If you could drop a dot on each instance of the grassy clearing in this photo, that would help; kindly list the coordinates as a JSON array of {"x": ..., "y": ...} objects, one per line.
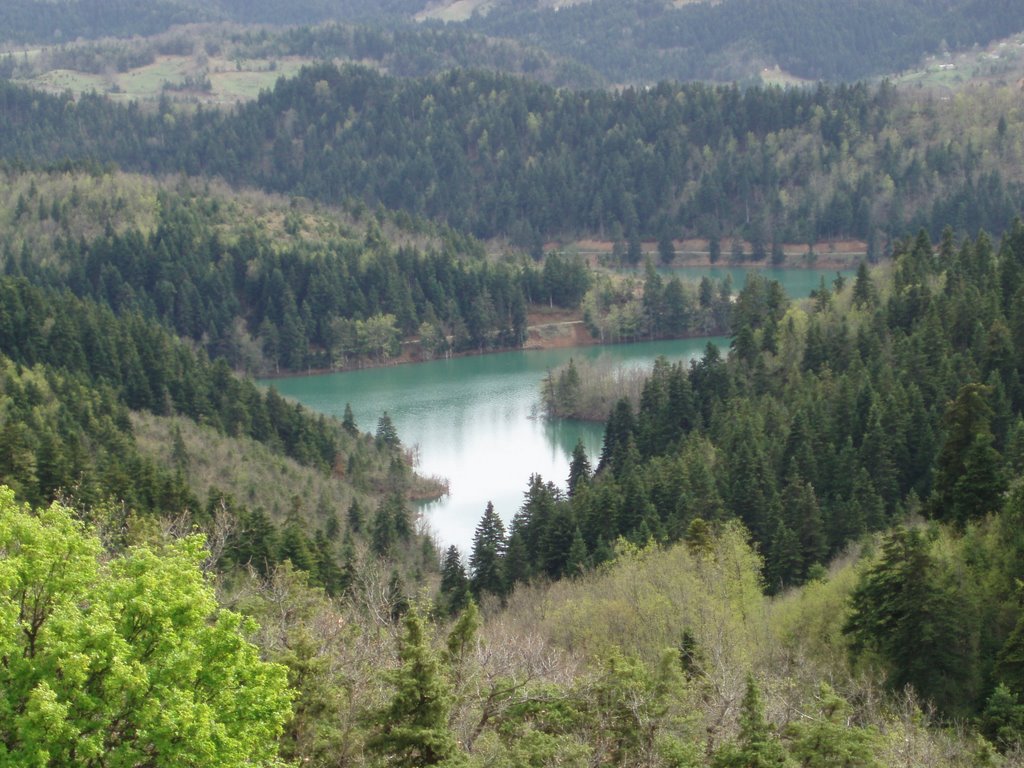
[
  {"x": 231, "y": 81},
  {"x": 458, "y": 10},
  {"x": 234, "y": 84},
  {"x": 1001, "y": 63},
  {"x": 61, "y": 80}
]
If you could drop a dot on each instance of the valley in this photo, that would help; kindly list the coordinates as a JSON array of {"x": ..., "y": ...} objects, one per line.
[{"x": 608, "y": 384}]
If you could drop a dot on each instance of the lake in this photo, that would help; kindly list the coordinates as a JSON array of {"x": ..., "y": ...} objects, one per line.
[
  {"x": 476, "y": 420},
  {"x": 798, "y": 282}
]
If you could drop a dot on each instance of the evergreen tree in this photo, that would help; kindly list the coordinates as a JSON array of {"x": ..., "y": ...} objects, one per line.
[
  {"x": 348, "y": 421},
  {"x": 757, "y": 745},
  {"x": 486, "y": 560},
  {"x": 968, "y": 477},
  {"x": 863, "y": 288},
  {"x": 666, "y": 248},
  {"x": 577, "y": 561},
  {"x": 1002, "y": 720},
  {"x": 827, "y": 739},
  {"x": 383, "y": 534},
  {"x": 462, "y": 636},
  {"x": 328, "y": 573},
  {"x": 903, "y": 612},
  {"x": 413, "y": 730},
  {"x": 354, "y": 517},
  {"x": 1010, "y": 659},
  {"x": 386, "y": 435},
  {"x": 579, "y": 468},
  {"x": 454, "y": 583}
]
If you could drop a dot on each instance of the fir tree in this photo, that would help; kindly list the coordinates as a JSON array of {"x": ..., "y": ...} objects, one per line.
[
  {"x": 579, "y": 468},
  {"x": 578, "y": 559},
  {"x": 757, "y": 745},
  {"x": 354, "y": 517},
  {"x": 386, "y": 435},
  {"x": 902, "y": 610},
  {"x": 348, "y": 421},
  {"x": 413, "y": 730},
  {"x": 485, "y": 561},
  {"x": 454, "y": 583}
]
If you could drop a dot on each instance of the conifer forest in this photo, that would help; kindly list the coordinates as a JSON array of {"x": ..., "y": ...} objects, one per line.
[{"x": 801, "y": 546}]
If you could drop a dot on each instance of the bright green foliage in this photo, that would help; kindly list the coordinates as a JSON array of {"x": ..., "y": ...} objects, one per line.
[
  {"x": 413, "y": 729},
  {"x": 828, "y": 740},
  {"x": 463, "y": 634},
  {"x": 546, "y": 727},
  {"x": 757, "y": 746},
  {"x": 638, "y": 716},
  {"x": 124, "y": 661}
]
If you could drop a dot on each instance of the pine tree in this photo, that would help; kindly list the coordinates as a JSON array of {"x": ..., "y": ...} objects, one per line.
[
  {"x": 1010, "y": 660},
  {"x": 617, "y": 433},
  {"x": 666, "y": 248},
  {"x": 578, "y": 559},
  {"x": 454, "y": 583},
  {"x": 386, "y": 435},
  {"x": 348, "y": 569},
  {"x": 968, "y": 475},
  {"x": 826, "y": 739},
  {"x": 348, "y": 421},
  {"x": 757, "y": 746},
  {"x": 863, "y": 288},
  {"x": 902, "y": 610},
  {"x": 354, "y": 517},
  {"x": 330, "y": 576},
  {"x": 485, "y": 561},
  {"x": 579, "y": 468},
  {"x": 413, "y": 730},
  {"x": 383, "y": 534},
  {"x": 462, "y": 636},
  {"x": 1002, "y": 721},
  {"x": 294, "y": 546}
]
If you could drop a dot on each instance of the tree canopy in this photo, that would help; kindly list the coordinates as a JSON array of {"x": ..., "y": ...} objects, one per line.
[{"x": 125, "y": 660}]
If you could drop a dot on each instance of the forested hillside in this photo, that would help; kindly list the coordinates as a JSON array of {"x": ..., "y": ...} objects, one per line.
[
  {"x": 877, "y": 398},
  {"x": 805, "y": 550},
  {"x": 889, "y": 398},
  {"x": 286, "y": 286},
  {"x": 648, "y": 40},
  {"x": 641, "y": 41},
  {"x": 420, "y": 50},
  {"x": 71, "y": 379},
  {"x": 767, "y": 165}
]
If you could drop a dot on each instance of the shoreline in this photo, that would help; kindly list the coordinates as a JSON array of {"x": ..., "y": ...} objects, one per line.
[
  {"x": 528, "y": 346},
  {"x": 567, "y": 329}
]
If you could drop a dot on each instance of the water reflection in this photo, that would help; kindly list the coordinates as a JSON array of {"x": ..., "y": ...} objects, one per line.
[{"x": 476, "y": 422}]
